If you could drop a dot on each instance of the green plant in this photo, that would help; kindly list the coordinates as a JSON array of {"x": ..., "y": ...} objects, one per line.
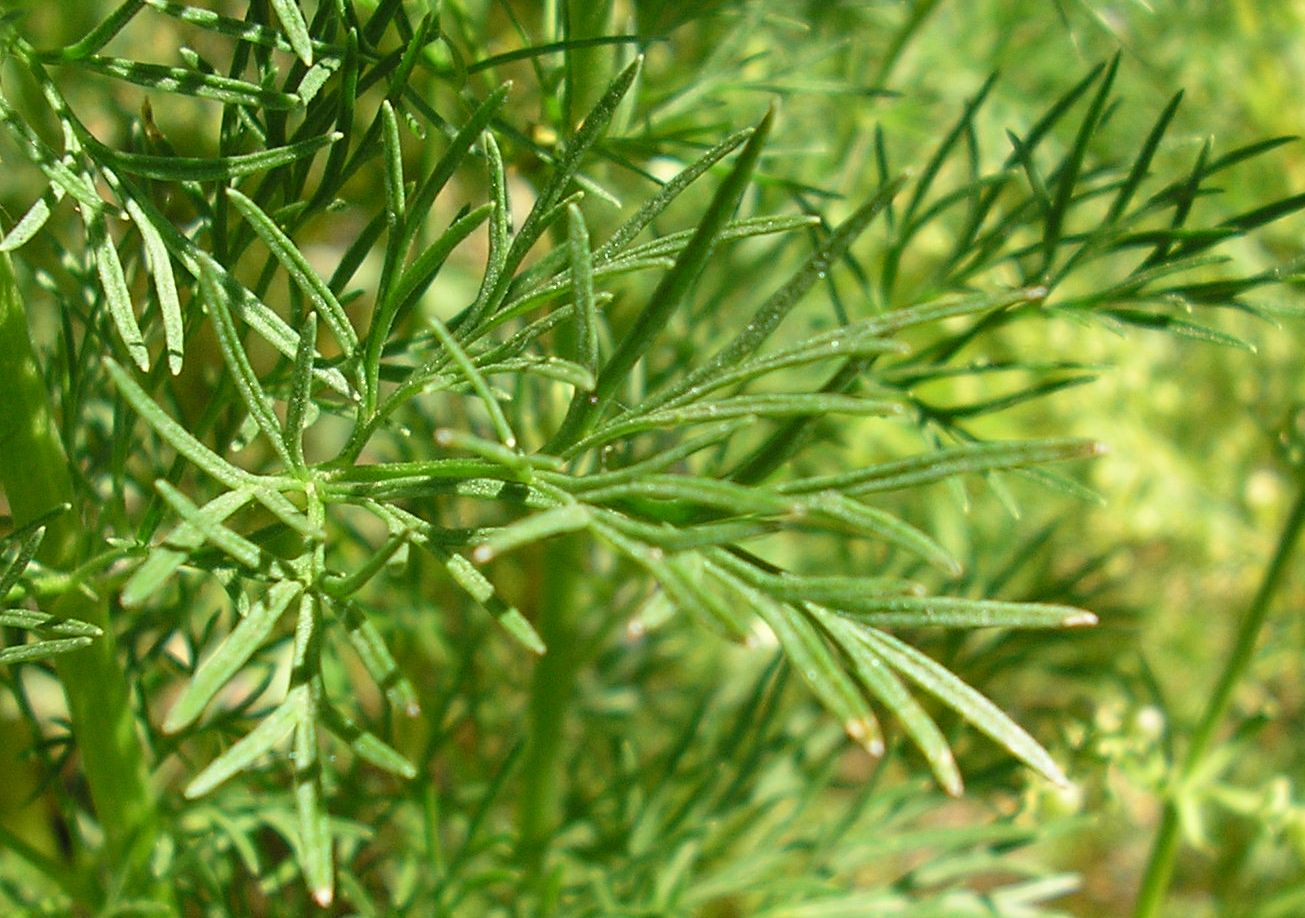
[{"x": 348, "y": 443}]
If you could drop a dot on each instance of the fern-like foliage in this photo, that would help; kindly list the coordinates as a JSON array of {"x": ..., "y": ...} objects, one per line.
[{"x": 587, "y": 389}]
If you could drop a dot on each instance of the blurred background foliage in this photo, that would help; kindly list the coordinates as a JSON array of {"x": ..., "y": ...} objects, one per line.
[{"x": 1193, "y": 491}]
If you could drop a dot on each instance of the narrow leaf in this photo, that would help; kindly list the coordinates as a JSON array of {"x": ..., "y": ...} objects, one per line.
[
  {"x": 41, "y": 650},
  {"x": 242, "y": 374},
  {"x": 395, "y": 203},
  {"x": 164, "y": 560},
  {"x": 810, "y": 656},
  {"x": 116, "y": 295},
  {"x": 30, "y": 222},
  {"x": 890, "y": 528},
  {"x": 654, "y": 206},
  {"x": 534, "y": 528},
  {"x": 292, "y": 20},
  {"x": 368, "y": 746},
  {"x": 288, "y": 254},
  {"x": 582, "y": 291},
  {"x": 218, "y": 668},
  {"x": 887, "y": 688},
  {"x": 238, "y": 547},
  {"x": 964, "y": 700},
  {"x": 165, "y": 285},
  {"x": 173, "y": 433},
  {"x": 944, "y": 463},
  {"x": 377, "y": 659},
  {"x": 477, "y": 381},
  {"x": 674, "y": 287},
  {"x": 270, "y": 731},
  {"x": 301, "y": 390},
  {"x": 47, "y": 624},
  {"x": 315, "y": 842},
  {"x": 192, "y": 83},
  {"x": 213, "y": 169},
  {"x": 957, "y": 612}
]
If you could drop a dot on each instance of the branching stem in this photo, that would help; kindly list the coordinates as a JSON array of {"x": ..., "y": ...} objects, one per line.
[{"x": 1160, "y": 867}]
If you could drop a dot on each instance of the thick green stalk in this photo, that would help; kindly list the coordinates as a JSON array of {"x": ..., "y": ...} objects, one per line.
[
  {"x": 551, "y": 692},
  {"x": 35, "y": 475},
  {"x": 1160, "y": 867}
]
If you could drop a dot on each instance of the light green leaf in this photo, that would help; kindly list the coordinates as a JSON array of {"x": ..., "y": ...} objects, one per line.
[
  {"x": 252, "y": 32},
  {"x": 164, "y": 560},
  {"x": 213, "y": 169},
  {"x": 315, "y": 842},
  {"x": 292, "y": 20},
  {"x": 377, "y": 659},
  {"x": 218, "y": 668},
  {"x": 810, "y": 656},
  {"x": 957, "y": 612},
  {"x": 116, "y": 295},
  {"x": 288, "y": 254},
  {"x": 368, "y": 746},
  {"x": 395, "y": 202},
  {"x": 802, "y": 404},
  {"x": 301, "y": 390},
  {"x": 477, "y": 381},
  {"x": 534, "y": 528},
  {"x": 238, "y": 547},
  {"x": 669, "y": 295},
  {"x": 880, "y": 681},
  {"x": 654, "y": 206},
  {"x": 41, "y": 650},
  {"x": 944, "y": 463},
  {"x": 582, "y": 291},
  {"x": 861, "y": 518},
  {"x": 964, "y": 700},
  {"x": 165, "y": 285},
  {"x": 475, "y": 584},
  {"x": 270, "y": 731},
  {"x": 43, "y": 622},
  {"x": 687, "y": 589},
  {"x": 173, "y": 433},
  {"x": 185, "y": 81},
  {"x": 672, "y": 244},
  {"x": 242, "y": 374},
  {"x": 31, "y": 221},
  {"x": 406, "y": 293}
]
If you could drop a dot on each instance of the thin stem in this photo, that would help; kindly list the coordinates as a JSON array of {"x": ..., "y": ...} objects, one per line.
[
  {"x": 552, "y": 688},
  {"x": 35, "y": 476},
  {"x": 1160, "y": 867}
]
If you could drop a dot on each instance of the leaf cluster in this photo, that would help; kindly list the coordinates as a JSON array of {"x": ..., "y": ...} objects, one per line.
[{"x": 473, "y": 378}]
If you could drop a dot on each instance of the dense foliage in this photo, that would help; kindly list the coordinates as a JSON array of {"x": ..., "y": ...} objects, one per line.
[{"x": 487, "y": 459}]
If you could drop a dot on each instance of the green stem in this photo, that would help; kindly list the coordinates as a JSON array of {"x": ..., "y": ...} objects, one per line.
[
  {"x": 552, "y": 689},
  {"x": 34, "y": 473},
  {"x": 1160, "y": 867}
]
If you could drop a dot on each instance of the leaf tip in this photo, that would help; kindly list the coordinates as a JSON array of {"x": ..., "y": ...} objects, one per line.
[
  {"x": 140, "y": 355},
  {"x": 324, "y": 896},
  {"x": 482, "y": 554},
  {"x": 1079, "y": 619},
  {"x": 865, "y": 733}
]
